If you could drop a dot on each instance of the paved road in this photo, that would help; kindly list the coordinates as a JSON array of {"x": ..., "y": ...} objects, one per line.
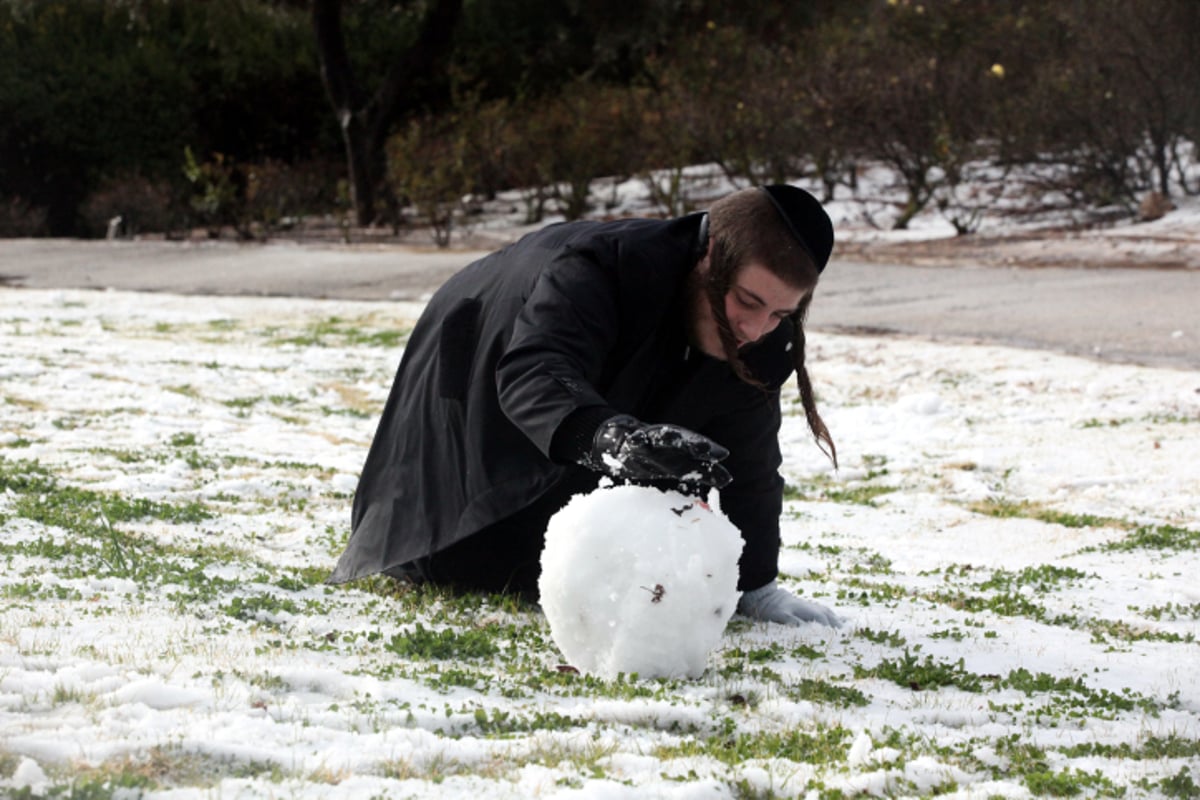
[{"x": 1139, "y": 316}]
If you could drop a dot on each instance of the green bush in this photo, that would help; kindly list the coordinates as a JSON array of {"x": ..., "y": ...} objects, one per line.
[{"x": 94, "y": 92}]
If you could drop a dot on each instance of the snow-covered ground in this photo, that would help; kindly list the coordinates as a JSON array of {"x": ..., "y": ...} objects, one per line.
[{"x": 1013, "y": 539}]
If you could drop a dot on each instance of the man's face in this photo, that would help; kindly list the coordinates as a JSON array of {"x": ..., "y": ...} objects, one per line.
[{"x": 757, "y": 301}]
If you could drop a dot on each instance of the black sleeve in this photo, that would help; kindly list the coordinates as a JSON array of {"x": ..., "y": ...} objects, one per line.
[
  {"x": 563, "y": 332},
  {"x": 754, "y": 501},
  {"x": 573, "y": 440}
]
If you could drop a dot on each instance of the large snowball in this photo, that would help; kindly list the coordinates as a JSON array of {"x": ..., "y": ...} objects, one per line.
[{"x": 635, "y": 579}]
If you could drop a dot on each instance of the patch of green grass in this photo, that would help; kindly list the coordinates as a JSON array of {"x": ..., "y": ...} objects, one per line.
[
  {"x": 1155, "y": 537},
  {"x": 1004, "y": 604},
  {"x": 1009, "y": 509},
  {"x": 1095, "y": 422},
  {"x": 354, "y": 413},
  {"x": 809, "y": 489},
  {"x": 195, "y": 587},
  {"x": 856, "y": 590},
  {"x": 22, "y": 402},
  {"x": 818, "y": 691},
  {"x": 875, "y": 462},
  {"x": 806, "y": 651},
  {"x": 1172, "y": 419},
  {"x": 565, "y": 681},
  {"x": 87, "y": 511},
  {"x": 334, "y": 330},
  {"x": 251, "y": 606},
  {"x": 822, "y": 746},
  {"x": 797, "y": 493},
  {"x": 447, "y": 643},
  {"x": 115, "y": 780},
  {"x": 1170, "y": 611},
  {"x": 873, "y": 564},
  {"x": 284, "y": 400},
  {"x": 1043, "y": 578},
  {"x": 242, "y": 405},
  {"x": 387, "y": 339},
  {"x": 24, "y": 477},
  {"x": 47, "y": 548},
  {"x": 858, "y": 495},
  {"x": 889, "y": 638},
  {"x": 1150, "y": 748},
  {"x": 1075, "y": 698},
  {"x": 501, "y": 722},
  {"x": 1152, "y": 419},
  {"x": 757, "y": 655},
  {"x": 953, "y": 634},
  {"x": 1011, "y": 602},
  {"x": 819, "y": 548},
  {"x": 302, "y": 578},
  {"x": 1181, "y": 785},
  {"x": 1070, "y": 783},
  {"x": 124, "y": 456},
  {"x": 93, "y": 544},
  {"x": 923, "y": 675},
  {"x": 35, "y": 590},
  {"x": 1105, "y": 630}
]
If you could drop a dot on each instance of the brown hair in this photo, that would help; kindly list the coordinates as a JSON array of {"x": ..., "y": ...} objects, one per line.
[{"x": 744, "y": 227}]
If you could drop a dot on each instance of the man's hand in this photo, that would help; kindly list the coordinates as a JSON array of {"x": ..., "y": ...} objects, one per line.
[
  {"x": 772, "y": 604},
  {"x": 626, "y": 448}
]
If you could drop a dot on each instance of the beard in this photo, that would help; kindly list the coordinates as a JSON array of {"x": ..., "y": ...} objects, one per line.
[
  {"x": 708, "y": 326},
  {"x": 717, "y": 283}
]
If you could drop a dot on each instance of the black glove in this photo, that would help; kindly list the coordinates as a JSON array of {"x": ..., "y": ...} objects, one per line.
[{"x": 626, "y": 448}]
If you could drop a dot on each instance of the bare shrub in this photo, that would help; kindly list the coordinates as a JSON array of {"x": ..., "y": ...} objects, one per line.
[
  {"x": 741, "y": 111},
  {"x": 560, "y": 144},
  {"x": 19, "y": 218},
  {"x": 132, "y": 204},
  {"x": 279, "y": 196},
  {"x": 1113, "y": 100},
  {"x": 426, "y": 165},
  {"x": 920, "y": 79},
  {"x": 1155, "y": 205},
  {"x": 669, "y": 120}
]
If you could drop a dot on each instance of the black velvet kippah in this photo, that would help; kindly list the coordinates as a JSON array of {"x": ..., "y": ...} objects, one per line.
[{"x": 805, "y": 218}]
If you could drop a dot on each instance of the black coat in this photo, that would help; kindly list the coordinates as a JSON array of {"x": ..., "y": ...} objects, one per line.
[{"x": 577, "y": 315}]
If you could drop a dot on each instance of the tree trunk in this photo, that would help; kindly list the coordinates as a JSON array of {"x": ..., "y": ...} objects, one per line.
[
  {"x": 360, "y": 160},
  {"x": 365, "y": 124}
]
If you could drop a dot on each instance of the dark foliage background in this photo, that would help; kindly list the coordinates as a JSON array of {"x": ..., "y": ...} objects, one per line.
[{"x": 176, "y": 115}]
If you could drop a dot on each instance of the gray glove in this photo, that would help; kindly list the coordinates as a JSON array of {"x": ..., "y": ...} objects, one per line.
[
  {"x": 627, "y": 448},
  {"x": 772, "y": 604}
]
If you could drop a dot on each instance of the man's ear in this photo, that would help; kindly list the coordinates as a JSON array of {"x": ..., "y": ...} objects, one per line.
[{"x": 703, "y": 241}]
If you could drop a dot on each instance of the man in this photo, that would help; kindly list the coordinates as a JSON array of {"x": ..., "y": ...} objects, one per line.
[{"x": 644, "y": 350}]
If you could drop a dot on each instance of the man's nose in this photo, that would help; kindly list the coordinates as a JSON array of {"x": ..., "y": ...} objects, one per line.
[{"x": 756, "y": 326}]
